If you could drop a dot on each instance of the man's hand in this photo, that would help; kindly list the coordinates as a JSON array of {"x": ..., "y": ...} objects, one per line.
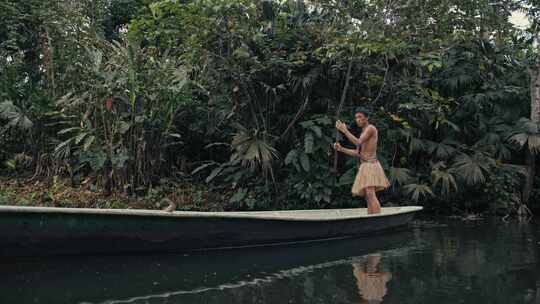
[
  {"x": 349, "y": 152},
  {"x": 341, "y": 126}
]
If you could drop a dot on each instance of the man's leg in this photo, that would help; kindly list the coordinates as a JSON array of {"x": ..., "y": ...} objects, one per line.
[{"x": 373, "y": 204}]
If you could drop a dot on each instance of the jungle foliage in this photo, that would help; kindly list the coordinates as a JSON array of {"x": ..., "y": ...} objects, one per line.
[{"x": 234, "y": 101}]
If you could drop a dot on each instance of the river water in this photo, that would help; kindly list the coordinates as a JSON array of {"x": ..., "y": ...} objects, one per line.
[{"x": 430, "y": 261}]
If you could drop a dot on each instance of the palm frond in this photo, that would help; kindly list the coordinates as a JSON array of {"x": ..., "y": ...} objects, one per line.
[
  {"x": 441, "y": 150},
  {"x": 526, "y": 134},
  {"x": 494, "y": 144},
  {"x": 416, "y": 145},
  {"x": 472, "y": 169},
  {"x": 304, "y": 83},
  {"x": 443, "y": 177},
  {"x": 399, "y": 176},
  {"x": 418, "y": 191},
  {"x": 253, "y": 150},
  {"x": 517, "y": 169},
  {"x": 14, "y": 116}
]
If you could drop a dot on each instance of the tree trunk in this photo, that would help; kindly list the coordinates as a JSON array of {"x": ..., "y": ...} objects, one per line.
[
  {"x": 529, "y": 179},
  {"x": 107, "y": 179},
  {"x": 535, "y": 118},
  {"x": 340, "y": 107},
  {"x": 48, "y": 62}
]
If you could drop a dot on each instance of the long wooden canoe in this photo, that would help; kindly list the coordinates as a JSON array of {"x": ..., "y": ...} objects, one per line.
[{"x": 39, "y": 231}]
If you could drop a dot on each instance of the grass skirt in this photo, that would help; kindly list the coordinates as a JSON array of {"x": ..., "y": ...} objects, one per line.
[{"x": 370, "y": 174}]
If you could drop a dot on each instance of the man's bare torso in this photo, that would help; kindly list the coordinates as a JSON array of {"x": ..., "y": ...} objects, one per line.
[{"x": 368, "y": 150}]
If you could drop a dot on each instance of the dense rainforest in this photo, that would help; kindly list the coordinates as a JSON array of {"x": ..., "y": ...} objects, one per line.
[{"x": 231, "y": 104}]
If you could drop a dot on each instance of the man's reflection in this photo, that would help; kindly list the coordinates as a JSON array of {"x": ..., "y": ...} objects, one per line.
[{"x": 370, "y": 280}]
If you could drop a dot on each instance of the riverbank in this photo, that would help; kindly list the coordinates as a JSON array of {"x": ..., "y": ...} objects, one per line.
[{"x": 57, "y": 192}]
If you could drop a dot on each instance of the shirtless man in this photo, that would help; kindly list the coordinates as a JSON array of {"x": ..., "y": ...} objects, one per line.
[{"x": 370, "y": 177}]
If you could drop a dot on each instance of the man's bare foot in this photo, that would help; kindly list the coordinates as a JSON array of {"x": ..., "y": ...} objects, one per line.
[{"x": 374, "y": 211}]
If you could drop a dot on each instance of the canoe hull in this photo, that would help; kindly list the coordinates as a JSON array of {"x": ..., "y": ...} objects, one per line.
[{"x": 45, "y": 234}]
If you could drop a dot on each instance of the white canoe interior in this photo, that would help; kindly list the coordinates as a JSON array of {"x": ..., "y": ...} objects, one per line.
[{"x": 291, "y": 215}]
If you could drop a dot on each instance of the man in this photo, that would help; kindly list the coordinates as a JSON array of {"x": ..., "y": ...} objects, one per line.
[{"x": 370, "y": 177}]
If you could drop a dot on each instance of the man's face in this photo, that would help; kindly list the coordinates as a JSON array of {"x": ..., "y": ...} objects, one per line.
[{"x": 361, "y": 119}]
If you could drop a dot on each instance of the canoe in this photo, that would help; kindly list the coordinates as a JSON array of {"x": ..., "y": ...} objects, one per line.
[{"x": 46, "y": 231}]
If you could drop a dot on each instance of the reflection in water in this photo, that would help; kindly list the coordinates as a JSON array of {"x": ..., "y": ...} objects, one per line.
[
  {"x": 439, "y": 262},
  {"x": 371, "y": 281}
]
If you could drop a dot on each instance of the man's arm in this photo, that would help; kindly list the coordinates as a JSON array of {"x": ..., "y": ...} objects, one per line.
[
  {"x": 353, "y": 139},
  {"x": 365, "y": 135},
  {"x": 342, "y": 127},
  {"x": 350, "y": 152}
]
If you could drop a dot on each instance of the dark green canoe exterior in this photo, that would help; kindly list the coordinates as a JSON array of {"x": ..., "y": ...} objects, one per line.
[{"x": 27, "y": 231}]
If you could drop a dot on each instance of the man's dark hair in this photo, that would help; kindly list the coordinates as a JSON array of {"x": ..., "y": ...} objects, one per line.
[{"x": 363, "y": 110}]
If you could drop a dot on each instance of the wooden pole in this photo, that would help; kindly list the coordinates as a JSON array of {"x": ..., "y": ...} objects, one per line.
[{"x": 340, "y": 107}]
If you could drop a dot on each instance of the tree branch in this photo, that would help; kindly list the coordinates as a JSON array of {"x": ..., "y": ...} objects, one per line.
[{"x": 296, "y": 117}]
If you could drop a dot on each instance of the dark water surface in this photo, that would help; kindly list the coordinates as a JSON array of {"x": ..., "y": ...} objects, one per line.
[{"x": 436, "y": 261}]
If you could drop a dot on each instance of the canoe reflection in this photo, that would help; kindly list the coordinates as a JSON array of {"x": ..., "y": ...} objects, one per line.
[
  {"x": 253, "y": 275},
  {"x": 370, "y": 280}
]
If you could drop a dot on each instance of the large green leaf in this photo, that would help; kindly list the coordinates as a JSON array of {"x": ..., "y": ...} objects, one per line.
[
  {"x": 95, "y": 159},
  {"x": 213, "y": 174},
  {"x": 88, "y": 142},
  {"x": 291, "y": 157},
  {"x": 348, "y": 177},
  {"x": 202, "y": 167},
  {"x": 69, "y": 130},
  {"x": 63, "y": 149},
  {"x": 304, "y": 161},
  {"x": 80, "y": 137},
  {"x": 317, "y": 130},
  {"x": 308, "y": 143}
]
